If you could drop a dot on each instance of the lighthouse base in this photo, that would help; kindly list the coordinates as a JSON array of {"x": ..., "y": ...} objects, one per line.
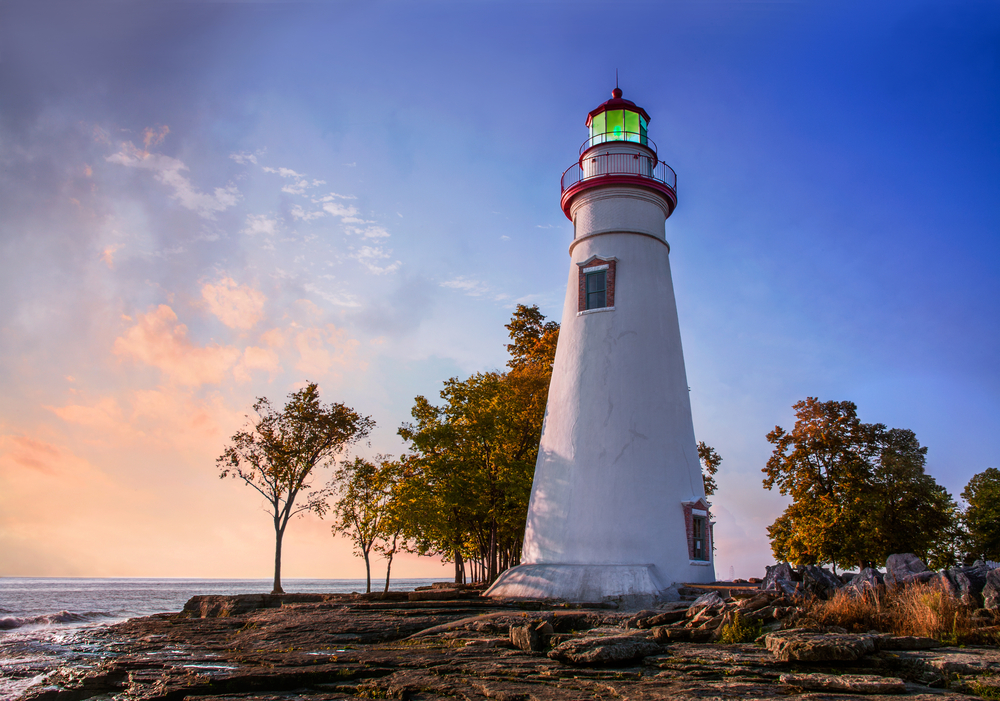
[{"x": 630, "y": 586}]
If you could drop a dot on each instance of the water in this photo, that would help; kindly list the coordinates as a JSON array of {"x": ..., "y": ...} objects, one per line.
[{"x": 44, "y": 621}]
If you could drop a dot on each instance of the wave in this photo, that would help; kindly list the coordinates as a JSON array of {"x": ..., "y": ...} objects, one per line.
[{"x": 12, "y": 622}]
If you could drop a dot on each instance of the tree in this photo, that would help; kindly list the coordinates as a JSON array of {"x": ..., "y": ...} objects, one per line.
[
  {"x": 396, "y": 522},
  {"x": 473, "y": 459},
  {"x": 533, "y": 340},
  {"x": 859, "y": 491},
  {"x": 277, "y": 453},
  {"x": 982, "y": 517},
  {"x": 365, "y": 490},
  {"x": 710, "y": 462}
]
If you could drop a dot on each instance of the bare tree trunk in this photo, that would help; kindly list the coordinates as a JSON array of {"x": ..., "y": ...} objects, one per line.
[
  {"x": 278, "y": 534},
  {"x": 388, "y": 562},
  {"x": 459, "y": 567},
  {"x": 492, "y": 554},
  {"x": 388, "y": 567},
  {"x": 368, "y": 573}
]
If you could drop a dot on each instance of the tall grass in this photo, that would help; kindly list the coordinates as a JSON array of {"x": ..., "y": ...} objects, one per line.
[{"x": 924, "y": 610}]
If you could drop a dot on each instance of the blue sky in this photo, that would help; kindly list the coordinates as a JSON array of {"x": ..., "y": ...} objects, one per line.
[{"x": 203, "y": 202}]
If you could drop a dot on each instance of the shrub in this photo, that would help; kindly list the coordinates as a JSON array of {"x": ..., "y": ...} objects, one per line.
[
  {"x": 924, "y": 610},
  {"x": 739, "y": 630}
]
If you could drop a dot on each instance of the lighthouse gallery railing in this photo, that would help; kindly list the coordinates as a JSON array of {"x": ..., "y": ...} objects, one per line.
[{"x": 606, "y": 164}]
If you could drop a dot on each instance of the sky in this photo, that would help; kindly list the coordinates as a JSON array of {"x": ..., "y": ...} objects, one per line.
[{"x": 206, "y": 202}]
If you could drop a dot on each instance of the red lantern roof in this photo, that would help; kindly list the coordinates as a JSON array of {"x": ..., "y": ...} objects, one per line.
[{"x": 617, "y": 102}]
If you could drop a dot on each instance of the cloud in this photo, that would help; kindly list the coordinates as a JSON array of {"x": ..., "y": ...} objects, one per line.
[
  {"x": 243, "y": 157},
  {"x": 236, "y": 306},
  {"x": 260, "y": 224},
  {"x": 369, "y": 256},
  {"x": 334, "y": 196},
  {"x": 257, "y": 358},
  {"x": 31, "y": 453},
  {"x": 108, "y": 255},
  {"x": 302, "y": 214},
  {"x": 341, "y": 299},
  {"x": 320, "y": 349},
  {"x": 103, "y": 417},
  {"x": 297, "y": 188},
  {"x": 283, "y": 172},
  {"x": 154, "y": 136},
  {"x": 157, "y": 340},
  {"x": 339, "y": 210},
  {"x": 370, "y": 232},
  {"x": 473, "y": 288},
  {"x": 169, "y": 171}
]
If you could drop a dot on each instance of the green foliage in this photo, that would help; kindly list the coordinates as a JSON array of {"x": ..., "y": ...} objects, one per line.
[
  {"x": 982, "y": 517},
  {"x": 468, "y": 479},
  {"x": 710, "y": 462},
  {"x": 739, "y": 630},
  {"x": 278, "y": 452},
  {"x": 859, "y": 491},
  {"x": 364, "y": 511}
]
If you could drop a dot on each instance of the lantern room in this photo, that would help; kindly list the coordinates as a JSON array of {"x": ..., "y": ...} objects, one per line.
[{"x": 617, "y": 119}]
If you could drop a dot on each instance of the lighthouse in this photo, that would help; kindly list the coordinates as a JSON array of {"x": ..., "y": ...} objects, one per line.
[{"x": 618, "y": 508}]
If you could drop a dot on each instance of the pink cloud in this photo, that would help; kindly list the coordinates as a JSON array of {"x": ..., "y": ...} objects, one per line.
[
  {"x": 236, "y": 306},
  {"x": 159, "y": 341},
  {"x": 321, "y": 349},
  {"x": 256, "y": 358},
  {"x": 31, "y": 453}
]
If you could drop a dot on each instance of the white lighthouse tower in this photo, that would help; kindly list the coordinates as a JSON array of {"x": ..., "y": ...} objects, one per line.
[{"x": 618, "y": 505}]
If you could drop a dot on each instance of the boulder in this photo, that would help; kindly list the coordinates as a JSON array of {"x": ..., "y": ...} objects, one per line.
[
  {"x": 846, "y": 683},
  {"x": 991, "y": 590},
  {"x": 604, "y": 651},
  {"x": 531, "y": 637},
  {"x": 806, "y": 646},
  {"x": 793, "y": 590},
  {"x": 774, "y": 573},
  {"x": 969, "y": 583},
  {"x": 868, "y": 580},
  {"x": 704, "y": 602},
  {"x": 819, "y": 582},
  {"x": 665, "y": 618},
  {"x": 900, "y": 567}
]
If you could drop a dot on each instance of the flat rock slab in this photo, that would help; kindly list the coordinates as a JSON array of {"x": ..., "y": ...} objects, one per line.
[
  {"x": 906, "y": 642},
  {"x": 849, "y": 683},
  {"x": 604, "y": 651},
  {"x": 799, "y": 646}
]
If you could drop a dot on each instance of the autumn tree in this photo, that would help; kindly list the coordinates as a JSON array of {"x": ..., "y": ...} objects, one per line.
[
  {"x": 474, "y": 456},
  {"x": 278, "y": 453},
  {"x": 363, "y": 509},
  {"x": 859, "y": 491},
  {"x": 397, "y": 520},
  {"x": 982, "y": 516},
  {"x": 710, "y": 462}
]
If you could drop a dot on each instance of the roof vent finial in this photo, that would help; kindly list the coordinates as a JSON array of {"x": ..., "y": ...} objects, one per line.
[{"x": 617, "y": 92}]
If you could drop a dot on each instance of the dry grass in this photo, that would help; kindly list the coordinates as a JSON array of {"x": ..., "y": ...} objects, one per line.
[{"x": 923, "y": 610}]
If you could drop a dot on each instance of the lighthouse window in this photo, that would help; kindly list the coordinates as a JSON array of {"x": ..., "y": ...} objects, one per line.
[
  {"x": 597, "y": 285},
  {"x": 597, "y": 290},
  {"x": 699, "y": 551},
  {"x": 597, "y": 129},
  {"x": 631, "y": 126},
  {"x": 616, "y": 125}
]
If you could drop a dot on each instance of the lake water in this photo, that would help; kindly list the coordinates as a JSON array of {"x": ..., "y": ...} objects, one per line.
[{"x": 43, "y": 621}]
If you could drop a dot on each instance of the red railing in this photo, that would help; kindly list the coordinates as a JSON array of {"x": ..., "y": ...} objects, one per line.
[{"x": 608, "y": 164}]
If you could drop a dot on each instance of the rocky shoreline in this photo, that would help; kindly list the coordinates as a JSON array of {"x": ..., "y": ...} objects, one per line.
[{"x": 447, "y": 643}]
